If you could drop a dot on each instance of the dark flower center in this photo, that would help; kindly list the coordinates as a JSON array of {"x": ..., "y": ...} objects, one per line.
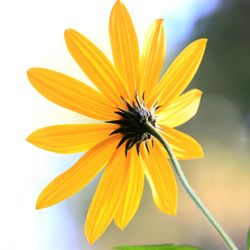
[{"x": 132, "y": 124}]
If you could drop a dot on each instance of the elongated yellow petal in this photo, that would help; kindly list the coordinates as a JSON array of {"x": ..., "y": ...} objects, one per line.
[
  {"x": 95, "y": 65},
  {"x": 153, "y": 54},
  {"x": 181, "y": 110},
  {"x": 180, "y": 73},
  {"x": 72, "y": 138},
  {"x": 70, "y": 93},
  {"x": 184, "y": 146},
  {"x": 124, "y": 45},
  {"x": 108, "y": 196},
  {"x": 132, "y": 190},
  {"x": 74, "y": 179},
  {"x": 161, "y": 178}
]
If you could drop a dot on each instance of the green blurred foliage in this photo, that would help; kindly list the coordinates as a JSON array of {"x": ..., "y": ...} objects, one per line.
[
  {"x": 248, "y": 239},
  {"x": 157, "y": 247},
  {"x": 225, "y": 69}
]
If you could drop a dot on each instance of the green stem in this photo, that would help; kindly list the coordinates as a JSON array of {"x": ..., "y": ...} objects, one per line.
[{"x": 152, "y": 130}]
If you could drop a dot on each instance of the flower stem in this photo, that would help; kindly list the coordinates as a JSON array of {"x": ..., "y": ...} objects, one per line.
[{"x": 152, "y": 130}]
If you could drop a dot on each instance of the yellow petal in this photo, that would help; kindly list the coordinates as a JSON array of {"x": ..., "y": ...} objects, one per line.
[
  {"x": 79, "y": 175},
  {"x": 95, "y": 65},
  {"x": 153, "y": 55},
  {"x": 72, "y": 138},
  {"x": 132, "y": 190},
  {"x": 180, "y": 73},
  {"x": 182, "y": 109},
  {"x": 161, "y": 178},
  {"x": 184, "y": 146},
  {"x": 70, "y": 93},
  {"x": 107, "y": 197},
  {"x": 124, "y": 45}
]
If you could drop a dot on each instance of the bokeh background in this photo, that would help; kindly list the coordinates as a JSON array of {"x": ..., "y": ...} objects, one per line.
[{"x": 32, "y": 35}]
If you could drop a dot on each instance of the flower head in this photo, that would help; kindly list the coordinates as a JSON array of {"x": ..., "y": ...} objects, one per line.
[{"x": 129, "y": 93}]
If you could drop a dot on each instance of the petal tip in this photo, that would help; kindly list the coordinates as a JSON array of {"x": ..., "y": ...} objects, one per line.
[
  {"x": 39, "y": 204},
  {"x": 90, "y": 241},
  {"x": 169, "y": 210},
  {"x": 67, "y": 33},
  {"x": 30, "y": 72},
  {"x": 199, "y": 44},
  {"x": 88, "y": 234},
  {"x": 42, "y": 201},
  {"x": 29, "y": 139},
  {"x": 68, "y": 30},
  {"x": 197, "y": 92},
  {"x": 173, "y": 209},
  {"x": 203, "y": 41},
  {"x": 160, "y": 21},
  {"x": 118, "y": 3},
  {"x": 33, "y": 72},
  {"x": 120, "y": 225},
  {"x": 198, "y": 153},
  {"x": 173, "y": 212},
  {"x": 201, "y": 153}
]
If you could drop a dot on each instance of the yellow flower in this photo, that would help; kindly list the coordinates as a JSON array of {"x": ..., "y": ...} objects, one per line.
[{"x": 128, "y": 93}]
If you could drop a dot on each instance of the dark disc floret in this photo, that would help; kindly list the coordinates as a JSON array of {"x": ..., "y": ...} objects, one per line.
[{"x": 132, "y": 124}]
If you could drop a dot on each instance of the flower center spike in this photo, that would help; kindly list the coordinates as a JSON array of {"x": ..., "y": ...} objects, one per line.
[{"x": 132, "y": 124}]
